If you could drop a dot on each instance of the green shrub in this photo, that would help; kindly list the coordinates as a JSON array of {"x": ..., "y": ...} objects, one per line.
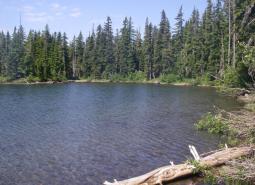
[
  {"x": 213, "y": 124},
  {"x": 61, "y": 78},
  {"x": 136, "y": 76},
  {"x": 232, "y": 78},
  {"x": 169, "y": 78},
  {"x": 249, "y": 59},
  {"x": 32, "y": 79},
  {"x": 191, "y": 81},
  {"x": 204, "y": 171},
  {"x": 204, "y": 80},
  {"x": 3, "y": 79},
  {"x": 116, "y": 78}
]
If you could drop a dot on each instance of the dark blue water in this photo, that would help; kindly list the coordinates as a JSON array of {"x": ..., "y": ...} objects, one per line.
[{"x": 84, "y": 134}]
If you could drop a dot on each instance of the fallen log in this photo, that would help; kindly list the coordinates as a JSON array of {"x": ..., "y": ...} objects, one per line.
[{"x": 173, "y": 172}]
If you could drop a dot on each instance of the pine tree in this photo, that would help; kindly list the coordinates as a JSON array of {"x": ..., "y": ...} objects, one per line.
[
  {"x": 139, "y": 60},
  {"x": 79, "y": 46},
  {"x": 178, "y": 34},
  {"x": 204, "y": 46},
  {"x": 46, "y": 53},
  {"x": 16, "y": 53},
  {"x": 148, "y": 50},
  {"x": 100, "y": 55},
  {"x": 29, "y": 55},
  {"x": 162, "y": 56},
  {"x": 5, "y": 45},
  {"x": 73, "y": 58},
  {"x": 126, "y": 47},
  {"x": 117, "y": 51},
  {"x": 65, "y": 57},
  {"x": 89, "y": 64},
  {"x": 39, "y": 55},
  {"x": 208, "y": 42},
  {"x": 109, "y": 48},
  {"x": 2, "y": 52}
]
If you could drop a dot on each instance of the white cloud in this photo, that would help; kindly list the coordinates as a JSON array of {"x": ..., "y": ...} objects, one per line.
[
  {"x": 31, "y": 14},
  {"x": 47, "y": 13},
  {"x": 75, "y": 12},
  {"x": 55, "y": 5},
  {"x": 57, "y": 9}
]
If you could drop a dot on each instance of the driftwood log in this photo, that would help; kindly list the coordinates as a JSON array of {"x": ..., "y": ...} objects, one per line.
[{"x": 173, "y": 172}]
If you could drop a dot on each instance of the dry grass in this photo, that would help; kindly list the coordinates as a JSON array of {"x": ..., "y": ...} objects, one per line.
[
  {"x": 242, "y": 122},
  {"x": 242, "y": 170}
]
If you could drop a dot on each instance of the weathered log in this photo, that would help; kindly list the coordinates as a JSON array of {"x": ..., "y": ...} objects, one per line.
[{"x": 173, "y": 172}]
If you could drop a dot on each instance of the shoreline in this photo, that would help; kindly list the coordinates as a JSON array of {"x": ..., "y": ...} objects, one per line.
[
  {"x": 156, "y": 82},
  {"x": 238, "y": 129}
]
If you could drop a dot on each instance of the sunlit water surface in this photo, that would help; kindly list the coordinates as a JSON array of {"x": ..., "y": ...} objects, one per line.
[{"x": 84, "y": 134}]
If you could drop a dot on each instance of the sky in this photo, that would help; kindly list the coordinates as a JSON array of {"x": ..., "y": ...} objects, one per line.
[{"x": 73, "y": 16}]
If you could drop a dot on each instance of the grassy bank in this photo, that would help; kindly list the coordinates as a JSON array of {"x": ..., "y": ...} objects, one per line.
[
  {"x": 138, "y": 77},
  {"x": 236, "y": 129}
]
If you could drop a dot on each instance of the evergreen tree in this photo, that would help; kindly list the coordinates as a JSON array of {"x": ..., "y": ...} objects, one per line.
[
  {"x": 12, "y": 62},
  {"x": 109, "y": 48},
  {"x": 79, "y": 49},
  {"x": 29, "y": 55},
  {"x": 211, "y": 46},
  {"x": 139, "y": 60},
  {"x": 89, "y": 64},
  {"x": 178, "y": 33},
  {"x": 148, "y": 50},
  {"x": 162, "y": 55},
  {"x": 73, "y": 58},
  {"x": 126, "y": 47},
  {"x": 117, "y": 51},
  {"x": 100, "y": 55},
  {"x": 5, "y": 46}
]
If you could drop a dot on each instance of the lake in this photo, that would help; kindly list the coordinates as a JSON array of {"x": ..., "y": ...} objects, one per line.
[{"x": 84, "y": 134}]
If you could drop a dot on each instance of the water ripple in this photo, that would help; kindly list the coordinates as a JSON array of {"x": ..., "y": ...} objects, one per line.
[{"x": 83, "y": 134}]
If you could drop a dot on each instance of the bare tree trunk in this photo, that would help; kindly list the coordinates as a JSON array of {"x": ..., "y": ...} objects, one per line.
[
  {"x": 229, "y": 31},
  {"x": 234, "y": 35},
  {"x": 64, "y": 62},
  {"x": 74, "y": 62},
  {"x": 174, "y": 172},
  {"x": 150, "y": 70},
  {"x": 222, "y": 60}
]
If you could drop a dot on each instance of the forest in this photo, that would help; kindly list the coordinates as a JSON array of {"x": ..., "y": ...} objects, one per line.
[{"x": 215, "y": 47}]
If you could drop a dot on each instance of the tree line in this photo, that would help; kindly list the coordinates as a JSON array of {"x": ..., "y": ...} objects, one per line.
[{"x": 217, "y": 45}]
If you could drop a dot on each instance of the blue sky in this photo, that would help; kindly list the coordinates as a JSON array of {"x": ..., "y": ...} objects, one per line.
[{"x": 73, "y": 16}]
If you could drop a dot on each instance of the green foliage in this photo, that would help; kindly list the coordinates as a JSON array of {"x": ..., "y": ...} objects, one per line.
[
  {"x": 136, "y": 76},
  {"x": 198, "y": 168},
  {"x": 32, "y": 79},
  {"x": 249, "y": 59},
  {"x": 204, "y": 80},
  {"x": 130, "y": 77},
  {"x": 204, "y": 171},
  {"x": 3, "y": 79},
  {"x": 214, "y": 124},
  {"x": 116, "y": 78},
  {"x": 169, "y": 78},
  {"x": 196, "y": 50},
  {"x": 232, "y": 78}
]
